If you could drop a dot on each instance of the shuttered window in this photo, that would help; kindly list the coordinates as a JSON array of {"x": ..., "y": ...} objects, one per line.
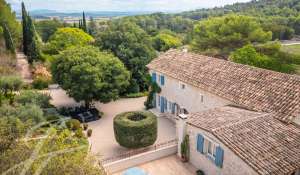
[
  {"x": 210, "y": 150},
  {"x": 162, "y": 80},
  {"x": 153, "y": 77},
  {"x": 219, "y": 157},
  {"x": 200, "y": 143}
]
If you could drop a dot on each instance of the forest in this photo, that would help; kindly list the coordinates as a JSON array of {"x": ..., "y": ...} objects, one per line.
[{"x": 106, "y": 60}]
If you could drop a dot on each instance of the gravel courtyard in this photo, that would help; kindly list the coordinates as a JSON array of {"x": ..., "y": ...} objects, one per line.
[{"x": 103, "y": 140}]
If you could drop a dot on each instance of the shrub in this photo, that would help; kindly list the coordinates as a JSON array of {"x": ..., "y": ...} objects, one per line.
[
  {"x": 33, "y": 97},
  {"x": 135, "y": 129},
  {"x": 73, "y": 124},
  {"x": 40, "y": 83},
  {"x": 89, "y": 132},
  {"x": 185, "y": 149},
  {"x": 85, "y": 126},
  {"x": 79, "y": 133},
  {"x": 200, "y": 172}
]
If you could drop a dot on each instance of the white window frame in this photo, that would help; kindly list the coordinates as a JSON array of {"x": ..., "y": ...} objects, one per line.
[{"x": 214, "y": 145}]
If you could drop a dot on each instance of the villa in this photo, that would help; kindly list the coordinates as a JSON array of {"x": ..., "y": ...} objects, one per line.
[{"x": 240, "y": 119}]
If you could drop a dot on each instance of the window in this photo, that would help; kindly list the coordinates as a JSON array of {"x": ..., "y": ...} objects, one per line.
[
  {"x": 162, "y": 80},
  {"x": 170, "y": 106},
  {"x": 202, "y": 98},
  {"x": 153, "y": 77},
  {"x": 158, "y": 100},
  {"x": 182, "y": 85},
  {"x": 209, "y": 148}
]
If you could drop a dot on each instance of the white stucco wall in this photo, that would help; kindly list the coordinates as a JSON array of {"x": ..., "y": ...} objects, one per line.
[
  {"x": 232, "y": 164},
  {"x": 190, "y": 97}
]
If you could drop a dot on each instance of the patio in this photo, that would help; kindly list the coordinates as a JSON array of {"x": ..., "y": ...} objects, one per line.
[
  {"x": 166, "y": 166},
  {"x": 103, "y": 140}
]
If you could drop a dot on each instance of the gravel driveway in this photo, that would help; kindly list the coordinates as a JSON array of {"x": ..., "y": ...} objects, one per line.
[{"x": 103, "y": 140}]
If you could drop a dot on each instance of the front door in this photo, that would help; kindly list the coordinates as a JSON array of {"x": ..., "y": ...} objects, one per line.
[{"x": 162, "y": 104}]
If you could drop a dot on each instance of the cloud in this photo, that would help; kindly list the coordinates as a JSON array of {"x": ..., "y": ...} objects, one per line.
[{"x": 121, "y": 5}]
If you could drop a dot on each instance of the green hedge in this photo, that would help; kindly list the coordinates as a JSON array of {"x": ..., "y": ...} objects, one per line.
[{"x": 135, "y": 129}]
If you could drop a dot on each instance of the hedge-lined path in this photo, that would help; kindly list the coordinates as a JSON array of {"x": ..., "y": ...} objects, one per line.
[
  {"x": 23, "y": 68},
  {"x": 103, "y": 140}
]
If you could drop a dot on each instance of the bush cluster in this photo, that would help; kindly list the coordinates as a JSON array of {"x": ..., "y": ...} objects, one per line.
[{"x": 135, "y": 129}]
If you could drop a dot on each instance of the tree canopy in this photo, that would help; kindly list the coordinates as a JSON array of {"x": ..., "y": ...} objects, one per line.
[
  {"x": 46, "y": 28},
  {"x": 166, "y": 40},
  {"x": 132, "y": 46},
  {"x": 67, "y": 37},
  {"x": 222, "y": 35},
  {"x": 88, "y": 74}
]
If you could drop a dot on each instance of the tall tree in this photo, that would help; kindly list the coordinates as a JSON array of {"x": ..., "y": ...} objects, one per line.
[
  {"x": 25, "y": 29},
  {"x": 33, "y": 48},
  {"x": 8, "y": 39},
  {"x": 221, "y": 35},
  {"x": 84, "y": 26},
  {"x": 88, "y": 74},
  {"x": 133, "y": 46},
  {"x": 92, "y": 27}
]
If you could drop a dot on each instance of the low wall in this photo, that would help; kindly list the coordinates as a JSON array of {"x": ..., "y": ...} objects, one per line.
[{"x": 140, "y": 158}]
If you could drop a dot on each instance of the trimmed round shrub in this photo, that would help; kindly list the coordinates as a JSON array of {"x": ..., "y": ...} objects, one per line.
[
  {"x": 135, "y": 129},
  {"x": 73, "y": 124}
]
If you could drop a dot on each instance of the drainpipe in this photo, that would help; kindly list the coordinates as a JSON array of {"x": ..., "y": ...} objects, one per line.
[{"x": 181, "y": 130}]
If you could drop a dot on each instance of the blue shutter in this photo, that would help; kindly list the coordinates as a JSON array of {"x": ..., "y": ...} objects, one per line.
[
  {"x": 153, "y": 77},
  {"x": 162, "y": 80},
  {"x": 200, "y": 143},
  {"x": 219, "y": 157},
  {"x": 162, "y": 105}
]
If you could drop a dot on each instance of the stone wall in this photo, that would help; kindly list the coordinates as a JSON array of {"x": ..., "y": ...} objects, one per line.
[{"x": 232, "y": 164}]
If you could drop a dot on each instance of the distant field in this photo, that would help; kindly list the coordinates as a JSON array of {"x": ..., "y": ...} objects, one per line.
[{"x": 294, "y": 49}]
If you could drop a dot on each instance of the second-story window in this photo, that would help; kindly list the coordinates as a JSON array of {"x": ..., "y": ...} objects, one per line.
[
  {"x": 162, "y": 80},
  {"x": 182, "y": 85}
]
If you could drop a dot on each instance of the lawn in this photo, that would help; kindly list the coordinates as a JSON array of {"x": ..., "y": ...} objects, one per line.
[{"x": 293, "y": 49}]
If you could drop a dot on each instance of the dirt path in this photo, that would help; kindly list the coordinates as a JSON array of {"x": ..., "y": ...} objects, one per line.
[{"x": 24, "y": 68}]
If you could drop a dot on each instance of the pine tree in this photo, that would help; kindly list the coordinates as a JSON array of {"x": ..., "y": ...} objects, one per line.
[
  {"x": 84, "y": 26},
  {"x": 8, "y": 39},
  {"x": 25, "y": 29}
]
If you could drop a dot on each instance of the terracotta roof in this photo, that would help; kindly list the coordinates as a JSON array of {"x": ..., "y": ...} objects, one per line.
[
  {"x": 266, "y": 144},
  {"x": 257, "y": 89}
]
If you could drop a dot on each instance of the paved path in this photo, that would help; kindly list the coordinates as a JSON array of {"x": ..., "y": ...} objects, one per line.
[
  {"x": 103, "y": 140},
  {"x": 167, "y": 166},
  {"x": 24, "y": 68}
]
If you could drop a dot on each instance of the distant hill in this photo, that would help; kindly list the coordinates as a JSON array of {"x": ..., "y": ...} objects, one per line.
[
  {"x": 45, "y": 13},
  {"x": 284, "y": 8}
]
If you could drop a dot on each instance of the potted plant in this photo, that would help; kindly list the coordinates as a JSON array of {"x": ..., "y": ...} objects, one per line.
[{"x": 185, "y": 149}]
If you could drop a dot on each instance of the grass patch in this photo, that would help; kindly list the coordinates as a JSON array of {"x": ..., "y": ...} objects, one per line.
[{"x": 293, "y": 49}]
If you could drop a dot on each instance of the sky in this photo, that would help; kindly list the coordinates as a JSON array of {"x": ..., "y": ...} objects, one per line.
[{"x": 120, "y": 5}]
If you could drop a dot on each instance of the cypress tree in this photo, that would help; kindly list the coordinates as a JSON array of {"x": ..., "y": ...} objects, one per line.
[
  {"x": 92, "y": 27},
  {"x": 80, "y": 24},
  {"x": 34, "y": 52},
  {"x": 84, "y": 26},
  {"x": 8, "y": 39},
  {"x": 25, "y": 29}
]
